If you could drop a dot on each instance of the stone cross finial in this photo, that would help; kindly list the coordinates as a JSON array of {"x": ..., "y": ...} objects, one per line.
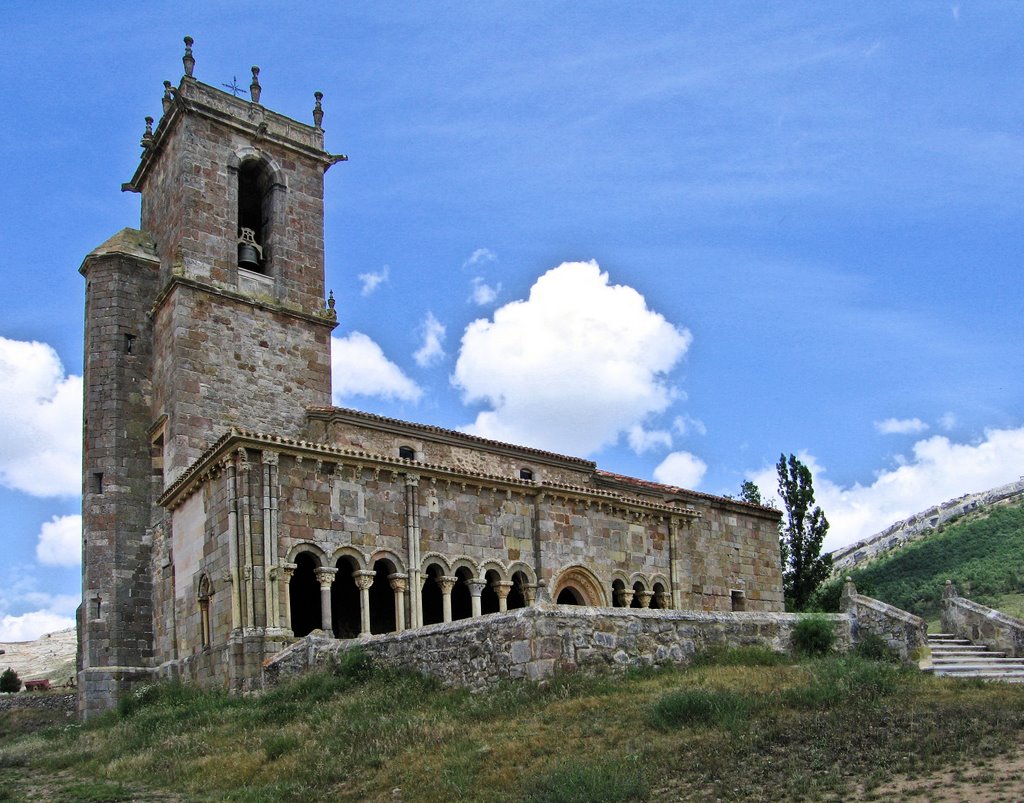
[
  {"x": 330, "y": 301},
  {"x": 187, "y": 59},
  {"x": 318, "y": 110},
  {"x": 949, "y": 590},
  {"x": 168, "y": 99},
  {"x": 254, "y": 87}
]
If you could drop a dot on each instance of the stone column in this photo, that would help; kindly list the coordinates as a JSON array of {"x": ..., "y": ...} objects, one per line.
[
  {"x": 447, "y": 584},
  {"x": 399, "y": 582},
  {"x": 269, "y": 459},
  {"x": 625, "y": 597},
  {"x": 502, "y": 589},
  {"x": 249, "y": 611},
  {"x": 645, "y": 598},
  {"x": 287, "y": 570},
  {"x": 236, "y": 607},
  {"x": 530, "y": 592},
  {"x": 325, "y": 575},
  {"x": 412, "y": 536},
  {"x": 364, "y": 579},
  {"x": 476, "y": 587}
]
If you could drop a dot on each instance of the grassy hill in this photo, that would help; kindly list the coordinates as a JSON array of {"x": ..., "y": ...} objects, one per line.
[
  {"x": 747, "y": 725},
  {"x": 983, "y": 554}
]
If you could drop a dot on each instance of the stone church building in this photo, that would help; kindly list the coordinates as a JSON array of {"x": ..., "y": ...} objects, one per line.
[{"x": 229, "y": 509}]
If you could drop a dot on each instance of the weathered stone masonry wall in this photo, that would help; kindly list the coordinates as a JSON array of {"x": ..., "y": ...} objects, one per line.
[
  {"x": 537, "y": 642},
  {"x": 982, "y": 625}
]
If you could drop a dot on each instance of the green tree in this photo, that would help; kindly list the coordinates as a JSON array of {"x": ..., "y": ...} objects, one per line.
[
  {"x": 804, "y": 526},
  {"x": 9, "y": 681},
  {"x": 749, "y": 492}
]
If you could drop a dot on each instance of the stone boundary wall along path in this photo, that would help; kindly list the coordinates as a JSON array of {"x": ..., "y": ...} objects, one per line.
[
  {"x": 906, "y": 634},
  {"x": 55, "y": 702},
  {"x": 537, "y": 642},
  {"x": 980, "y": 624}
]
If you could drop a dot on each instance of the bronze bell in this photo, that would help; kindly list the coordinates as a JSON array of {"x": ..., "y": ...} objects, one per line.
[{"x": 249, "y": 251}]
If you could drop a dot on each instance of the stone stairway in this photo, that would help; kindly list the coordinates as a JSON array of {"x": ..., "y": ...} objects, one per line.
[{"x": 959, "y": 658}]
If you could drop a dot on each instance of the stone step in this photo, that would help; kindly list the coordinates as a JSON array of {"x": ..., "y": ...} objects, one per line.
[
  {"x": 948, "y": 641},
  {"x": 971, "y": 657},
  {"x": 1016, "y": 676},
  {"x": 965, "y": 653}
]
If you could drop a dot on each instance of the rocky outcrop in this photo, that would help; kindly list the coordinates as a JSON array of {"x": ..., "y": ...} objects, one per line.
[{"x": 920, "y": 525}]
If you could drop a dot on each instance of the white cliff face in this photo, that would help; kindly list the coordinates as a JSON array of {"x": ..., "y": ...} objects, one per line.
[
  {"x": 50, "y": 656},
  {"x": 920, "y": 525}
]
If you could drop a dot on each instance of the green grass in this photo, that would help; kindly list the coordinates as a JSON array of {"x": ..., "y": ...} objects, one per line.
[{"x": 741, "y": 725}]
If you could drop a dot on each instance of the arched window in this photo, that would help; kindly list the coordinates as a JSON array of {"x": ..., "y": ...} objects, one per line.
[
  {"x": 406, "y": 452},
  {"x": 205, "y": 592},
  {"x": 254, "y": 215},
  {"x": 304, "y": 595},
  {"x": 526, "y": 473}
]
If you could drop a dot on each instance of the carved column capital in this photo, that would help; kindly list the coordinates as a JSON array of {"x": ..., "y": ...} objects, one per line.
[
  {"x": 502, "y": 588},
  {"x": 364, "y": 578},
  {"x": 645, "y": 598},
  {"x": 476, "y": 587},
  {"x": 625, "y": 597},
  {"x": 664, "y": 599},
  {"x": 399, "y": 581},
  {"x": 325, "y": 576},
  {"x": 447, "y": 583},
  {"x": 412, "y": 480},
  {"x": 270, "y": 457}
]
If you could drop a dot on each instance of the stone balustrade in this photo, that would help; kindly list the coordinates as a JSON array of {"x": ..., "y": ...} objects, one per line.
[{"x": 980, "y": 624}]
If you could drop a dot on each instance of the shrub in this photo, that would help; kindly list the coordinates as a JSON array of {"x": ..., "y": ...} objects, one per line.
[
  {"x": 873, "y": 647},
  {"x": 354, "y": 664},
  {"x": 9, "y": 681},
  {"x": 814, "y": 635},
  {"x": 700, "y": 707}
]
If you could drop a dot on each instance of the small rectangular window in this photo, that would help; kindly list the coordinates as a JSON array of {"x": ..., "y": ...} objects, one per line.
[
  {"x": 96, "y": 483},
  {"x": 739, "y": 600},
  {"x": 525, "y": 474},
  {"x": 406, "y": 452},
  {"x": 129, "y": 343}
]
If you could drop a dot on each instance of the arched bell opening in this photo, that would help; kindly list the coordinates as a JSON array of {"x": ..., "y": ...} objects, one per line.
[
  {"x": 462, "y": 598},
  {"x": 255, "y": 185},
  {"x": 345, "y": 600},
  {"x": 304, "y": 595},
  {"x": 382, "y": 598},
  {"x": 431, "y": 602},
  {"x": 489, "y": 596}
]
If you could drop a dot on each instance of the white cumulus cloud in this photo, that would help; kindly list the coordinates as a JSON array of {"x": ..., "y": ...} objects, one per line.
[
  {"x": 359, "y": 368},
  {"x": 686, "y": 424},
  {"x": 570, "y": 368},
  {"x": 681, "y": 469},
  {"x": 432, "y": 350},
  {"x": 371, "y": 281},
  {"x": 30, "y": 626},
  {"x": 60, "y": 541},
  {"x": 936, "y": 471},
  {"x": 644, "y": 440},
  {"x": 901, "y": 426},
  {"x": 41, "y": 430}
]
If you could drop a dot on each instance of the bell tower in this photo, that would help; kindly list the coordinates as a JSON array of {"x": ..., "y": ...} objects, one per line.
[{"x": 211, "y": 316}]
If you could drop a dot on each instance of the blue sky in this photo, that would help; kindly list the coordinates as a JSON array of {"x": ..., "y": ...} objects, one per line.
[{"x": 678, "y": 239}]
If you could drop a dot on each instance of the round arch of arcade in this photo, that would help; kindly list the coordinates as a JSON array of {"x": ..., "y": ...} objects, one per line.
[{"x": 350, "y": 593}]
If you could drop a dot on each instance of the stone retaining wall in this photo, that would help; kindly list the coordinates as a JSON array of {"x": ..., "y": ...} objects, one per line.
[
  {"x": 966, "y": 619},
  {"x": 539, "y": 641},
  {"x": 55, "y": 702},
  {"x": 906, "y": 634}
]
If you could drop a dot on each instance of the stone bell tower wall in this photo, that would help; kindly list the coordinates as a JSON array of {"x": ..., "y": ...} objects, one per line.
[{"x": 115, "y": 618}]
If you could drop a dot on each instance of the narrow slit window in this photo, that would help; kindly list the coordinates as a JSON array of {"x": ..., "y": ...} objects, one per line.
[
  {"x": 96, "y": 484},
  {"x": 129, "y": 343}
]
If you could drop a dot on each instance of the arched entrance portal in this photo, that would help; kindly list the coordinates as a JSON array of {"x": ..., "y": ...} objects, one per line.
[
  {"x": 583, "y": 585},
  {"x": 304, "y": 595}
]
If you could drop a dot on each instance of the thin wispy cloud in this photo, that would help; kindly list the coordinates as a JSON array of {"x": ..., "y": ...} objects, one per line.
[
  {"x": 484, "y": 294},
  {"x": 371, "y": 281},
  {"x": 432, "y": 331},
  {"x": 901, "y": 426},
  {"x": 481, "y": 256}
]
